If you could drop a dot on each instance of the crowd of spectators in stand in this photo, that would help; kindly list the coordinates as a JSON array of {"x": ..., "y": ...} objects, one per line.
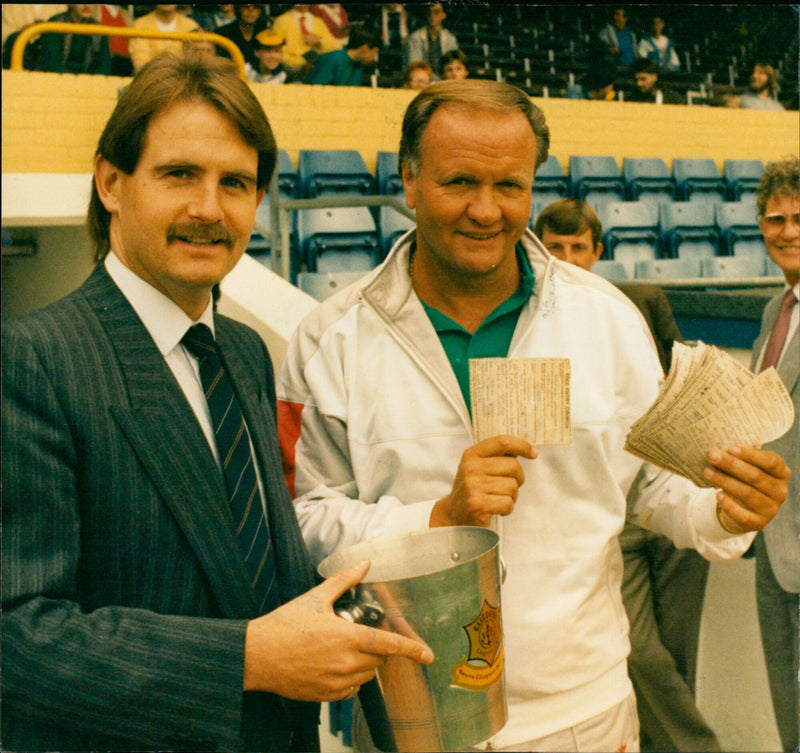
[{"x": 634, "y": 50}]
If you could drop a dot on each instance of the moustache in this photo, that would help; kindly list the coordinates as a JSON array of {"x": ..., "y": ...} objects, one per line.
[{"x": 196, "y": 232}]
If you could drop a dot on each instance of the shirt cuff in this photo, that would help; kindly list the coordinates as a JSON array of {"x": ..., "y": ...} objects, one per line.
[{"x": 709, "y": 529}]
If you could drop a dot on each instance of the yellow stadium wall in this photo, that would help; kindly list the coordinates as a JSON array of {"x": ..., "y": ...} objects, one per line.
[{"x": 51, "y": 123}]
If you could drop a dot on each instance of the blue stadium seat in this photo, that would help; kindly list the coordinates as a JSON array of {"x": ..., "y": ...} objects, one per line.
[
  {"x": 550, "y": 183},
  {"x": 688, "y": 229},
  {"x": 322, "y": 285},
  {"x": 260, "y": 244},
  {"x": 338, "y": 240},
  {"x": 334, "y": 171},
  {"x": 631, "y": 254},
  {"x": 733, "y": 266},
  {"x": 751, "y": 247},
  {"x": 668, "y": 269},
  {"x": 596, "y": 179},
  {"x": 630, "y": 232},
  {"x": 391, "y": 225},
  {"x": 741, "y": 177},
  {"x": 262, "y": 229},
  {"x": 611, "y": 270},
  {"x": 698, "y": 180},
  {"x": 738, "y": 226},
  {"x": 289, "y": 185},
  {"x": 387, "y": 174},
  {"x": 648, "y": 179}
]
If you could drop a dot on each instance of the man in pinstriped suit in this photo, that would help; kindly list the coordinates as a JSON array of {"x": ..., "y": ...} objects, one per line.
[
  {"x": 777, "y": 548},
  {"x": 129, "y": 621}
]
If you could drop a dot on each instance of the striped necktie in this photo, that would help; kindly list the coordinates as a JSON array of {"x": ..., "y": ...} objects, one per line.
[{"x": 233, "y": 445}]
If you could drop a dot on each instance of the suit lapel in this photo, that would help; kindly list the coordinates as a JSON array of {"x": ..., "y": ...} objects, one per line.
[
  {"x": 166, "y": 437},
  {"x": 789, "y": 368}
]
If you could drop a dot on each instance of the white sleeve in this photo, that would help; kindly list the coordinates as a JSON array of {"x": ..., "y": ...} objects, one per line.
[
  {"x": 316, "y": 457},
  {"x": 673, "y": 506}
]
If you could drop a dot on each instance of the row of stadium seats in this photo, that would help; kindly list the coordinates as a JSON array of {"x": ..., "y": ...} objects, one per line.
[
  {"x": 322, "y": 284},
  {"x": 710, "y": 269},
  {"x": 598, "y": 179},
  {"x": 325, "y": 172},
  {"x": 654, "y": 227}
]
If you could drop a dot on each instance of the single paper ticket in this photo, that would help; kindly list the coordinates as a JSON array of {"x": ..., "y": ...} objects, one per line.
[{"x": 524, "y": 397}]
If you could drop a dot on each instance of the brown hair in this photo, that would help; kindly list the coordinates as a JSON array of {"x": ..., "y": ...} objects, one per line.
[
  {"x": 779, "y": 178},
  {"x": 417, "y": 65},
  {"x": 477, "y": 94},
  {"x": 772, "y": 77},
  {"x": 162, "y": 82},
  {"x": 449, "y": 57},
  {"x": 569, "y": 217}
]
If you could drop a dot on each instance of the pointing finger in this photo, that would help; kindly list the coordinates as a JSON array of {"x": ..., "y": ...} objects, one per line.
[{"x": 386, "y": 643}]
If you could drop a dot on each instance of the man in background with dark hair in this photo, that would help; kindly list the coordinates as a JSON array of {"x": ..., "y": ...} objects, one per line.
[
  {"x": 157, "y": 594},
  {"x": 648, "y": 89},
  {"x": 346, "y": 67},
  {"x": 431, "y": 41},
  {"x": 243, "y": 31},
  {"x": 762, "y": 90},
  {"x": 618, "y": 39}
]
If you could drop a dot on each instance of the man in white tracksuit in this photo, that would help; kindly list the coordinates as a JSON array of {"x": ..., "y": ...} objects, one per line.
[{"x": 376, "y": 432}]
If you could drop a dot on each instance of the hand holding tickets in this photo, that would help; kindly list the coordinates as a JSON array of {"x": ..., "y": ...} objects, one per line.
[{"x": 709, "y": 400}]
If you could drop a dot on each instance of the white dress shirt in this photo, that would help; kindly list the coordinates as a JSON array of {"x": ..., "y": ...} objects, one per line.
[{"x": 167, "y": 324}]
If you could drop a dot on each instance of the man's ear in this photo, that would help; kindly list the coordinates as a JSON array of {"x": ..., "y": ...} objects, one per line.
[
  {"x": 409, "y": 186},
  {"x": 107, "y": 181},
  {"x": 598, "y": 252}
]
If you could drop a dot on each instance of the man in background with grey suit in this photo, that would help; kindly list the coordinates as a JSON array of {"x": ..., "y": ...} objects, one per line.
[
  {"x": 777, "y": 548},
  {"x": 132, "y": 619}
]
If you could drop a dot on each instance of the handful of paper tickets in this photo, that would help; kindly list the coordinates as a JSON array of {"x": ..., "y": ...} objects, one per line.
[{"x": 709, "y": 400}]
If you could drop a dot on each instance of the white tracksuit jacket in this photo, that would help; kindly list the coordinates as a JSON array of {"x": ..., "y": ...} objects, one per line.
[{"x": 373, "y": 426}]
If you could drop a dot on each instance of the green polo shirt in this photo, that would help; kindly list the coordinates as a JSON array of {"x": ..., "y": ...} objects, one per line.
[{"x": 492, "y": 339}]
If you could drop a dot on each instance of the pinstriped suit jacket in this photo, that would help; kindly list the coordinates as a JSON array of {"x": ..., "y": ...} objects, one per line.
[
  {"x": 782, "y": 535},
  {"x": 125, "y": 596}
]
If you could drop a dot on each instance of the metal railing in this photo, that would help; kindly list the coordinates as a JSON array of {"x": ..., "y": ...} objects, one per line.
[
  {"x": 98, "y": 30},
  {"x": 718, "y": 283},
  {"x": 279, "y": 231}
]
